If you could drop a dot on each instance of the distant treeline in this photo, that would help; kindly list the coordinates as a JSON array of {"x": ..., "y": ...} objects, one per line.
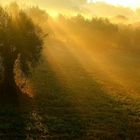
[{"x": 98, "y": 31}]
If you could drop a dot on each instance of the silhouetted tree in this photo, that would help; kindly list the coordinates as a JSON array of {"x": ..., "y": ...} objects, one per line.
[{"x": 19, "y": 39}]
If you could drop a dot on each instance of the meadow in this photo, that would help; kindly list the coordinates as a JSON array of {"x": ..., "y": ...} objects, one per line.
[{"x": 86, "y": 86}]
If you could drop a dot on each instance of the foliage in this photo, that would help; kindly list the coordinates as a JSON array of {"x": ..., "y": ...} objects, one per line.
[{"x": 20, "y": 39}]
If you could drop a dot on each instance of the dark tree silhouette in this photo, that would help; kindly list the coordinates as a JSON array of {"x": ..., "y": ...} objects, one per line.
[{"x": 20, "y": 39}]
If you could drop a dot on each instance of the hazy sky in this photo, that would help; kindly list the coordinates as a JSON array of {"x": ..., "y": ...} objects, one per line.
[
  {"x": 102, "y": 8},
  {"x": 68, "y": 3},
  {"x": 127, "y": 3}
]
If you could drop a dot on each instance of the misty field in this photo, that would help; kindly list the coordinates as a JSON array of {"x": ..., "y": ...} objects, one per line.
[{"x": 85, "y": 87}]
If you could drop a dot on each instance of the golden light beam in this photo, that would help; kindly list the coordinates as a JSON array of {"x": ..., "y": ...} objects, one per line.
[{"x": 94, "y": 61}]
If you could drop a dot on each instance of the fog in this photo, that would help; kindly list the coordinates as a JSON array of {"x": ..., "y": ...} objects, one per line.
[
  {"x": 77, "y": 77},
  {"x": 112, "y": 50}
]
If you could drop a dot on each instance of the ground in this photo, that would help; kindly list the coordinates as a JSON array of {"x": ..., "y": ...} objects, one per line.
[{"x": 71, "y": 102}]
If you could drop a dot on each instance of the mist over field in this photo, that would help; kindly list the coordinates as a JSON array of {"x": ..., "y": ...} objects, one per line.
[
  {"x": 86, "y": 83},
  {"x": 112, "y": 49}
]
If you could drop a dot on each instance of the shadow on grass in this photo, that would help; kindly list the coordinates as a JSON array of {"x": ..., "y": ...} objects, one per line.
[
  {"x": 13, "y": 116},
  {"x": 82, "y": 109},
  {"x": 54, "y": 106},
  {"x": 68, "y": 105}
]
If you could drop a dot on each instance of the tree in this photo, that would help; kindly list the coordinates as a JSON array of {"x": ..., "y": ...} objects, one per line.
[{"x": 20, "y": 40}]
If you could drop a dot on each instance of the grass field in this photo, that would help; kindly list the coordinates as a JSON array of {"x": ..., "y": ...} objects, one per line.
[
  {"x": 79, "y": 93},
  {"x": 70, "y": 102}
]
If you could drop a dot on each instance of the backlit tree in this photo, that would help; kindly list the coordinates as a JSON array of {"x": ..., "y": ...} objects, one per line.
[{"x": 19, "y": 39}]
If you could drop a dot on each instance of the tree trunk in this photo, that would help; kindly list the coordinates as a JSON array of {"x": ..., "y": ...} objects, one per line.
[
  {"x": 9, "y": 84},
  {"x": 9, "y": 87}
]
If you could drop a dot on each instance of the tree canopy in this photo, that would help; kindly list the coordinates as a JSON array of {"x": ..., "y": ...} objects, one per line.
[{"x": 20, "y": 39}]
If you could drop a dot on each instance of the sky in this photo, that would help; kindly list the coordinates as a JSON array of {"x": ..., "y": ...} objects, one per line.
[
  {"x": 99, "y": 8},
  {"x": 127, "y": 3}
]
